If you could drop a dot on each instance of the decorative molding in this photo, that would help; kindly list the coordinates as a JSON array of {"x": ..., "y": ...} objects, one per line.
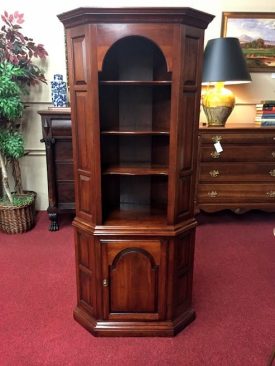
[
  {"x": 246, "y": 104},
  {"x": 35, "y": 152},
  {"x": 36, "y": 103}
]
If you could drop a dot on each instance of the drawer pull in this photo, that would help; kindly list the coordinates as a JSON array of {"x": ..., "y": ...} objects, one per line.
[
  {"x": 272, "y": 173},
  {"x": 215, "y": 173},
  {"x": 213, "y": 194},
  {"x": 216, "y": 138},
  {"x": 271, "y": 194},
  {"x": 105, "y": 282},
  {"x": 215, "y": 155},
  {"x": 273, "y": 154}
]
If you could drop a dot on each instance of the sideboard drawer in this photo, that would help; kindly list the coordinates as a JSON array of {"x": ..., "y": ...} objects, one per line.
[
  {"x": 239, "y": 153},
  {"x": 237, "y": 172},
  {"x": 240, "y": 193},
  {"x": 61, "y": 127},
  {"x": 65, "y": 192},
  {"x": 64, "y": 150},
  {"x": 258, "y": 137},
  {"x": 64, "y": 170}
]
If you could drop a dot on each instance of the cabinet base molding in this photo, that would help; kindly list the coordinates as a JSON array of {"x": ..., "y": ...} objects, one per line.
[{"x": 133, "y": 329}]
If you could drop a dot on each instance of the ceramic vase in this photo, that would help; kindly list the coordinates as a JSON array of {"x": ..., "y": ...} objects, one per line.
[{"x": 59, "y": 91}]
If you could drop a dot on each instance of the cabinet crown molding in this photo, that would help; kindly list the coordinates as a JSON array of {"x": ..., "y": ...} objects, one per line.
[{"x": 183, "y": 15}]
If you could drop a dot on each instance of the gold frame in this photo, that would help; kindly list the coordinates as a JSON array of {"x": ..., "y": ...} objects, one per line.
[{"x": 226, "y": 16}]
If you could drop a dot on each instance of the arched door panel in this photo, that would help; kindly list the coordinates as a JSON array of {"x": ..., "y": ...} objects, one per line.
[{"x": 134, "y": 277}]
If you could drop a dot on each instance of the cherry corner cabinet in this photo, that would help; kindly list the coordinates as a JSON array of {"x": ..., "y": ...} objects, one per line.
[{"x": 135, "y": 81}]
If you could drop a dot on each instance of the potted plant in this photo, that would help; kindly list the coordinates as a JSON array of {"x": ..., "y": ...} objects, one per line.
[{"x": 18, "y": 73}]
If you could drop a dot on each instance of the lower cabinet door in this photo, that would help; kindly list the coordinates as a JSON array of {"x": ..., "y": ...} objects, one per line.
[{"x": 134, "y": 279}]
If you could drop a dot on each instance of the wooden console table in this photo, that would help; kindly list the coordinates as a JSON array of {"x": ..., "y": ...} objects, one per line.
[
  {"x": 57, "y": 136},
  {"x": 242, "y": 176}
]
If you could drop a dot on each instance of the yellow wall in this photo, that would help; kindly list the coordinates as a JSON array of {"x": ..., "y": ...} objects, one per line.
[{"x": 42, "y": 24}]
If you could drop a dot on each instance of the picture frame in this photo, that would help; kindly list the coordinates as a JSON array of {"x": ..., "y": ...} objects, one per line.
[{"x": 256, "y": 35}]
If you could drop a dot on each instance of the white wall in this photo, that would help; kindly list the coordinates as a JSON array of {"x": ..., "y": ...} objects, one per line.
[{"x": 42, "y": 24}]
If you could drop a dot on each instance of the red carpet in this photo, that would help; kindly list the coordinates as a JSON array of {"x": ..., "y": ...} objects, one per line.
[{"x": 234, "y": 297}]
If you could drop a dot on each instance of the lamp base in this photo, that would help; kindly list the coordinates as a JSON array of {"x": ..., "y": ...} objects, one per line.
[
  {"x": 217, "y": 116},
  {"x": 218, "y": 103}
]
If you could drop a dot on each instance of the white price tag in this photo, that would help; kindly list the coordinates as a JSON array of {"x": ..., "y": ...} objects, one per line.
[{"x": 218, "y": 147}]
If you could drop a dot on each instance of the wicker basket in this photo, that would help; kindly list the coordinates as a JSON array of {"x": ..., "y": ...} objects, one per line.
[{"x": 17, "y": 219}]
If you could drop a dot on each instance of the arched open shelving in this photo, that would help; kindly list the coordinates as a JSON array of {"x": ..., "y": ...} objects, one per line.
[
  {"x": 136, "y": 59},
  {"x": 136, "y": 87}
]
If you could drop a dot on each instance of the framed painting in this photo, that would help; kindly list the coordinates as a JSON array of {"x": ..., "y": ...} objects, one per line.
[{"x": 256, "y": 33}]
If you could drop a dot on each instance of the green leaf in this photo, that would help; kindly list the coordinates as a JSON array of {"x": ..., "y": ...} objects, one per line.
[{"x": 11, "y": 143}]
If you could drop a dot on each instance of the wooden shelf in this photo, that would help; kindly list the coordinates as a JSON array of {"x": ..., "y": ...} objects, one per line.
[
  {"x": 135, "y": 169},
  {"x": 135, "y": 132},
  {"x": 136, "y": 82},
  {"x": 135, "y": 216}
]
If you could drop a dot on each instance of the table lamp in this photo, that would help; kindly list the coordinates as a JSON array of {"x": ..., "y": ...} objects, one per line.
[{"x": 224, "y": 63}]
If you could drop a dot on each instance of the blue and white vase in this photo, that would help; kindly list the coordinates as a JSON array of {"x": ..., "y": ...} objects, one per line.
[{"x": 59, "y": 91}]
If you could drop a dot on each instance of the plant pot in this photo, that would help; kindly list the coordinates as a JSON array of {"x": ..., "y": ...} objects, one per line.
[{"x": 18, "y": 219}]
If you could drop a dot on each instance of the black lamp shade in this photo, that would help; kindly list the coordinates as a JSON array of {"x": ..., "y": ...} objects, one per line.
[{"x": 224, "y": 61}]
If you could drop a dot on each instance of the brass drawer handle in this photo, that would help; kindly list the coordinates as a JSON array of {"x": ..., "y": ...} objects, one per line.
[
  {"x": 214, "y": 173},
  {"x": 215, "y": 154},
  {"x": 272, "y": 173},
  {"x": 216, "y": 138},
  {"x": 105, "y": 282},
  {"x": 271, "y": 194},
  {"x": 273, "y": 154},
  {"x": 212, "y": 194}
]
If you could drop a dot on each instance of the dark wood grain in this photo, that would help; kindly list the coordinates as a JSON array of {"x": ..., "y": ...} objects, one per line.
[{"x": 135, "y": 78}]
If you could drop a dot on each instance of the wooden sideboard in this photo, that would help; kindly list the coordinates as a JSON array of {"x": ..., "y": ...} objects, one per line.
[
  {"x": 57, "y": 136},
  {"x": 242, "y": 176}
]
